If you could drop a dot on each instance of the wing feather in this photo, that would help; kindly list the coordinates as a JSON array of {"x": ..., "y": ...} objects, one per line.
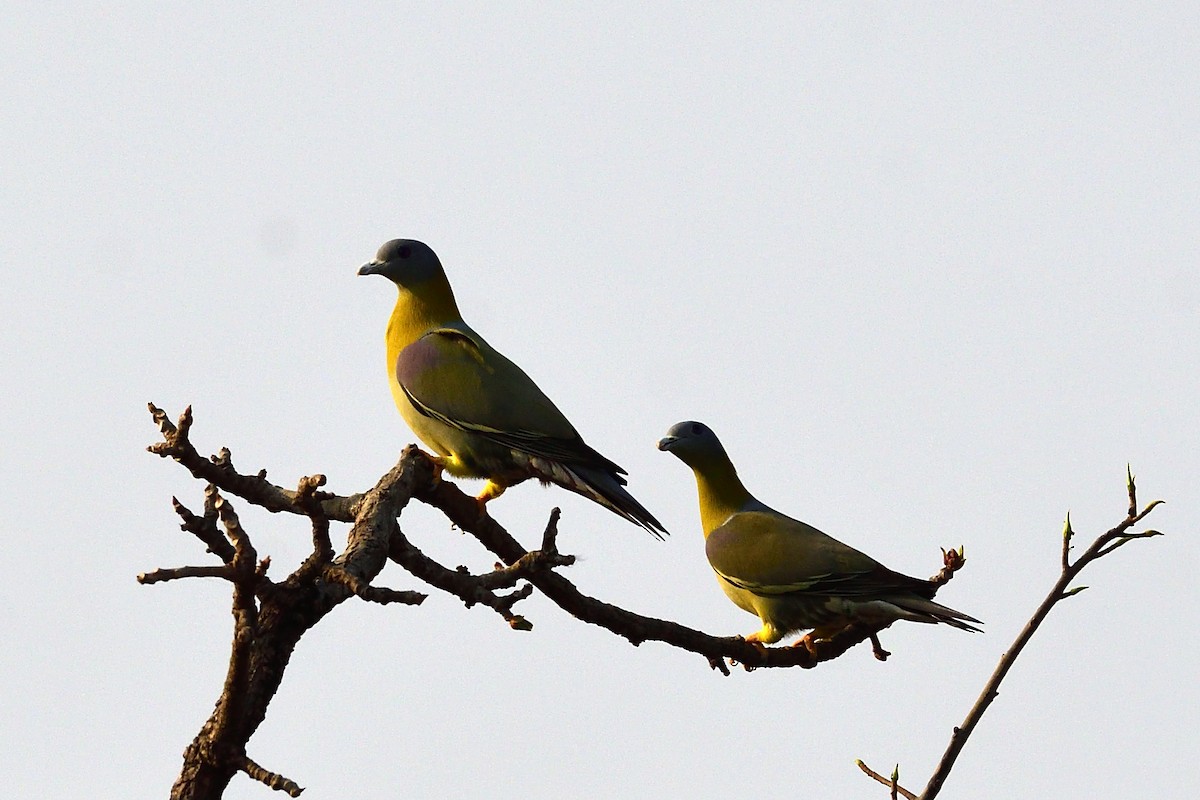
[
  {"x": 768, "y": 553},
  {"x": 452, "y": 375}
]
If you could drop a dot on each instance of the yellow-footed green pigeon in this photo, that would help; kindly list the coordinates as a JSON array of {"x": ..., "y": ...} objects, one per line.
[
  {"x": 788, "y": 573},
  {"x": 481, "y": 414}
]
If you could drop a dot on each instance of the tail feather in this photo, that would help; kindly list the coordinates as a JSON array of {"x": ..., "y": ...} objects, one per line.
[
  {"x": 923, "y": 610},
  {"x": 600, "y": 487}
]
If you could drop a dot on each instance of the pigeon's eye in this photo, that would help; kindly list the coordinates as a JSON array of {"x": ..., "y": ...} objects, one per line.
[
  {"x": 404, "y": 252},
  {"x": 696, "y": 428}
]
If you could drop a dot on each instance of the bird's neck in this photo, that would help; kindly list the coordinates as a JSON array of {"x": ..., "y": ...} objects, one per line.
[
  {"x": 416, "y": 313},
  {"x": 721, "y": 493}
]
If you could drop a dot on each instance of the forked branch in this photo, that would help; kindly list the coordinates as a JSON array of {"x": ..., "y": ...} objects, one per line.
[
  {"x": 270, "y": 617},
  {"x": 1105, "y": 544}
]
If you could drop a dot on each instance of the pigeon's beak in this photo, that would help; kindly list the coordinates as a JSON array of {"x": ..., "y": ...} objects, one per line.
[
  {"x": 666, "y": 442},
  {"x": 371, "y": 268}
]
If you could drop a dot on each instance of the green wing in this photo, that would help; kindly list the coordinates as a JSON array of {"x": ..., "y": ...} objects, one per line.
[
  {"x": 452, "y": 375},
  {"x": 768, "y": 553}
]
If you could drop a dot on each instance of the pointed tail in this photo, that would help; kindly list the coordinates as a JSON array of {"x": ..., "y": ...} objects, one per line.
[
  {"x": 601, "y": 487},
  {"x": 923, "y": 610}
]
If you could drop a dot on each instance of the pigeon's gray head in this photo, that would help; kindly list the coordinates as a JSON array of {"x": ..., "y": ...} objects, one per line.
[
  {"x": 405, "y": 262},
  {"x": 691, "y": 442}
]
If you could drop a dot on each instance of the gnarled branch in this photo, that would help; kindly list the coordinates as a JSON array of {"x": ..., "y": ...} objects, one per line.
[{"x": 271, "y": 617}]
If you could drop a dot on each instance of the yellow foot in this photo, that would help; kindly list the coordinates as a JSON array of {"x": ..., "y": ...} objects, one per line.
[
  {"x": 491, "y": 491},
  {"x": 809, "y": 642},
  {"x": 753, "y": 641}
]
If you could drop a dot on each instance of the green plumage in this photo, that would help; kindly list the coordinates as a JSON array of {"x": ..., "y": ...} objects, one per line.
[
  {"x": 476, "y": 409},
  {"x": 788, "y": 573}
]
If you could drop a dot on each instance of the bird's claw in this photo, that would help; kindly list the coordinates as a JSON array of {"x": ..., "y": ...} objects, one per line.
[
  {"x": 439, "y": 465},
  {"x": 809, "y": 642},
  {"x": 491, "y": 491},
  {"x": 754, "y": 642}
]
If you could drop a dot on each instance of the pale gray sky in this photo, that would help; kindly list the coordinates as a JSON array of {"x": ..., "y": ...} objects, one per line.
[{"x": 929, "y": 270}]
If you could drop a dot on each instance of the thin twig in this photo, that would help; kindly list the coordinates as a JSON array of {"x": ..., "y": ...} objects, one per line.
[
  {"x": 272, "y": 779},
  {"x": 892, "y": 782},
  {"x": 1103, "y": 545},
  {"x": 174, "y": 573},
  {"x": 372, "y": 594},
  {"x": 877, "y": 648},
  {"x": 322, "y": 552},
  {"x": 219, "y": 471},
  {"x": 205, "y": 527}
]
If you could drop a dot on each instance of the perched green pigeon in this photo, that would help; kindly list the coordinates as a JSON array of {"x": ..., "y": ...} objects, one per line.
[
  {"x": 788, "y": 573},
  {"x": 479, "y": 411}
]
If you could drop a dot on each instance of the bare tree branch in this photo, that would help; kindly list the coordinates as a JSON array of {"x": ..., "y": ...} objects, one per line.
[
  {"x": 272, "y": 779},
  {"x": 462, "y": 510},
  {"x": 322, "y": 552},
  {"x": 270, "y": 618},
  {"x": 205, "y": 527},
  {"x": 892, "y": 783},
  {"x": 266, "y": 635},
  {"x": 1102, "y": 546},
  {"x": 174, "y": 573},
  {"x": 219, "y": 471}
]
